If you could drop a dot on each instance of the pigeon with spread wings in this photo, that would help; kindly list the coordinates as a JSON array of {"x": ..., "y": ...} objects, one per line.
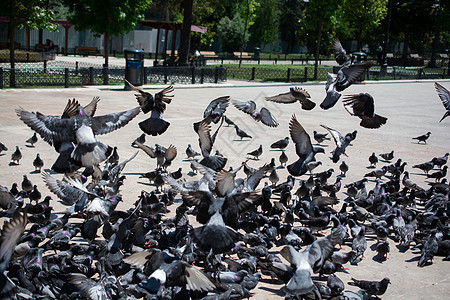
[
  {"x": 340, "y": 54},
  {"x": 263, "y": 115},
  {"x": 303, "y": 148},
  {"x": 444, "y": 94},
  {"x": 155, "y": 125},
  {"x": 80, "y": 129},
  {"x": 341, "y": 143},
  {"x": 295, "y": 94},
  {"x": 363, "y": 107}
]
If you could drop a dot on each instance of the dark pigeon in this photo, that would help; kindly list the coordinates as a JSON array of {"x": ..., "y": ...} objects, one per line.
[
  {"x": 263, "y": 115},
  {"x": 444, "y": 94},
  {"x": 295, "y": 94}
]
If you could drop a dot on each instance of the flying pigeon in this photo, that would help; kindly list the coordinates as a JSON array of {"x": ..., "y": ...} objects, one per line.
[
  {"x": 444, "y": 94},
  {"x": 295, "y": 94},
  {"x": 155, "y": 124},
  {"x": 263, "y": 115},
  {"x": 363, "y": 107},
  {"x": 340, "y": 141}
]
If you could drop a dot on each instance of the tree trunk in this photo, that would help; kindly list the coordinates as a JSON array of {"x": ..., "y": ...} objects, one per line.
[
  {"x": 434, "y": 45},
  {"x": 186, "y": 32},
  {"x": 106, "y": 48},
  {"x": 319, "y": 37},
  {"x": 11, "y": 34}
]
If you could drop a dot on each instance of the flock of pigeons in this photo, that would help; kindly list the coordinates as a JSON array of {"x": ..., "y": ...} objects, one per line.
[{"x": 218, "y": 243}]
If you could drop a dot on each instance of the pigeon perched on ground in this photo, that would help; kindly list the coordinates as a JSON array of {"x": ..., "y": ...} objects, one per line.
[
  {"x": 363, "y": 106},
  {"x": 440, "y": 161},
  {"x": 373, "y": 159},
  {"x": 426, "y": 166},
  {"x": 241, "y": 133},
  {"x": 191, "y": 153},
  {"x": 38, "y": 163},
  {"x": 256, "y": 153},
  {"x": 16, "y": 156},
  {"x": 283, "y": 158},
  {"x": 280, "y": 144},
  {"x": 438, "y": 175},
  {"x": 387, "y": 156},
  {"x": 295, "y": 94},
  {"x": 444, "y": 94},
  {"x": 140, "y": 139},
  {"x": 80, "y": 129},
  {"x": 372, "y": 288},
  {"x": 27, "y": 185},
  {"x": 32, "y": 140},
  {"x": 263, "y": 115},
  {"x": 422, "y": 138},
  {"x": 156, "y": 105},
  {"x": 303, "y": 148}
]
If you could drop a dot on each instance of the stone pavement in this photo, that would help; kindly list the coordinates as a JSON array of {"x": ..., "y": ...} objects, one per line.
[{"x": 412, "y": 109}]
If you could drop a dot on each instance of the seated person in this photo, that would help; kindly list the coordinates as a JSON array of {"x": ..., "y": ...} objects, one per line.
[{"x": 48, "y": 45}]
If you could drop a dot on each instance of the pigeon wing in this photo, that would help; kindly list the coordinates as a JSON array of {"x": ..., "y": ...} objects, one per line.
[
  {"x": 204, "y": 138},
  {"x": 11, "y": 232},
  {"x": 300, "y": 137},
  {"x": 372, "y": 123},
  {"x": 339, "y": 53},
  {"x": 149, "y": 150},
  {"x": 337, "y": 136},
  {"x": 108, "y": 123},
  {"x": 444, "y": 94},
  {"x": 71, "y": 109},
  {"x": 163, "y": 95},
  {"x": 282, "y": 98},
  {"x": 171, "y": 153},
  {"x": 362, "y": 104},
  {"x": 219, "y": 103},
  {"x": 246, "y": 106},
  {"x": 267, "y": 118},
  {"x": 91, "y": 108}
]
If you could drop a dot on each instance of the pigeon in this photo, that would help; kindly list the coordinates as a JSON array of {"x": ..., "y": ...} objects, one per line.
[
  {"x": 241, "y": 133},
  {"x": 216, "y": 109},
  {"x": 320, "y": 137},
  {"x": 422, "y": 138},
  {"x": 16, "y": 156},
  {"x": 343, "y": 167},
  {"x": 256, "y": 153},
  {"x": 429, "y": 249},
  {"x": 340, "y": 55},
  {"x": 303, "y": 148},
  {"x": 444, "y": 94},
  {"x": 140, "y": 139},
  {"x": 283, "y": 158},
  {"x": 263, "y": 115},
  {"x": 407, "y": 182},
  {"x": 3, "y": 147},
  {"x": 191, "y": 153},
  {"x": 273, "y": 177},
  {"x": 281, "y": 144},
  {"x": 156, "y": 105},
  {"x": 206, "y": 142},
  {"x": 438, "y": 174},
  {"x": 336, "y": 83},
  {"x": 426, "y": 166},
  {"x": 387, "y": 156},
  {"x": 38, "y": 163},
  {"x": 373, "y": 159},
  {"x": 228, "y": 121},
  {"x": 295, "y": 94},
  {"x": 340, "y": 141},
  {"x": 440, "y": 161},
  {"x": 163, "y": 156},
  {"x": 32, "y": 140},
  {"x": 80, "y": 129},
  {"x": 27, "y": 185},
  {"x": 362, "y": 106},
  {"x": 372, "y": 288}
]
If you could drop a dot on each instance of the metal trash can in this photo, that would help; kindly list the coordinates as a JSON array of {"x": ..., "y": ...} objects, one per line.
[
  {"x": 257, "y": 52},
  {"x": 134, "y": 66}
]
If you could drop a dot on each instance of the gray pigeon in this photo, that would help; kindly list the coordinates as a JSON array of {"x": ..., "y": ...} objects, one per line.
[
  {"x": 38, "y": 163},
  {"x": 340, "y": 141},
  {"x": 295, "y": 94},
  {"x": 32, "y": 140},
  {"x": 263, "y": 115},
  {"x": 16, "y": 156},
  {"x": 372, "y": 288},
  {"x": 444, "y": 94},
  {"x": 3, "y": 147}
]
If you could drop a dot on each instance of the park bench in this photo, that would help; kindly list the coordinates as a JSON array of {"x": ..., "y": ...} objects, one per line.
[
  {"x": 245, "y": 55},
  {"x": 85, "y": 51},
  {"x": 209, "y": 54},
  {"x": 41, "y": 47}
]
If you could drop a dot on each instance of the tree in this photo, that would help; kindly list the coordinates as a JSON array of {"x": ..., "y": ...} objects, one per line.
[
  {"x": 266, "y": 22},
  {"x": 230, "y": 33},
  {"x": 289, "y": 26},
  {"x": 363, "y": 16},
  {"x": 107, "y": 17},
  {"x": 319, "y": 17},
  {"x": 26, "y": 13}
]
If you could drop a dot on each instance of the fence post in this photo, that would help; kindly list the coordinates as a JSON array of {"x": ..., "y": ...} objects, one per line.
[
  {"x": 1, "y": 78},
  {"x": 193, "y": 75},
  {"x": 216, "y": 75},
  {"x": 165, "y": 75},
  {"x": 259, "y": 60},
  {"x": 91, "y": 75},
  {"x": 66, "y": 77},
  {"x": 292, "y": 61},
  {"x": 276, "y": 59},
  {"x": 288, "y": 75},
  {"x": 105, "y": 75},
  {"x": 12, "y": 78},
  {"x": 28, "y": 57},
  {"x": 368, "y": 74},
  {"x": 145, "y": 75},
  {"x": 253, "y": 73},
  {"x": 419, "y": 75},
  {"x": 394, "y": 72},
  {"x": 202, "y": 75},
  {"x": 306, "y": 74},
  {"x": 45, "y": 66},
  {"x": 76, "y": 68},
  {"x": 443, "y": 73}
]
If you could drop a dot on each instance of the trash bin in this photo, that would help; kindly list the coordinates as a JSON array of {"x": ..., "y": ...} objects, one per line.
[
  {"x": 134, "y": 66},
  {"x": 257, "y": 52}
]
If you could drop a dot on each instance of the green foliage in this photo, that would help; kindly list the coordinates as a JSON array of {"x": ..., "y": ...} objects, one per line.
[
  {"x": 231, "y": 33},
  {"x": 266, "y": 22},
  {"x": 107, "y": 16},
  {"x": 30, "y": 13},
  {"x": 291, "y": 13}
]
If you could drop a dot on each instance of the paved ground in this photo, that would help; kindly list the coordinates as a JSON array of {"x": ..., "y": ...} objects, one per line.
[{"x": 412, "y": 108}]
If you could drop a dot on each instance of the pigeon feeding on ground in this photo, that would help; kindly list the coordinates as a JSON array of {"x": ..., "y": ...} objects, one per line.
[
  {"x": 156, "y": 105},
  {"x": 241, "y": 133},
  {"x": 444, "y": 94},
  {"x": 263, "y": 115},
  {"x": 256, "y": 153},
  {"x": 295, "y": 94}
]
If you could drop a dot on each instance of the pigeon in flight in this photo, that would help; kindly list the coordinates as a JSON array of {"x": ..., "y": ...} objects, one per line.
[
  {"x": 156, "y": 105},
  {"x": 295, "y": 94},
  {"x": 303, "y": 148},
  {"x": 80, "y": 129},
  {"x": 263, "y": 115},
  {"x": 340, "y": 55},
  {"x": 341, "y": 143},
  {"x": 362, "y": 106},
  {"x": 444, "y": 94}
]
